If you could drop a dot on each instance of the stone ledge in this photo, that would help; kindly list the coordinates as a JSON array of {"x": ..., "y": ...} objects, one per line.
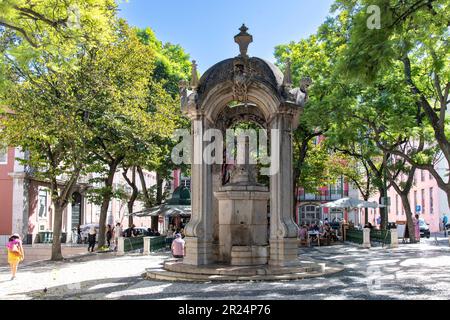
[{"x": 178, "y": 271}]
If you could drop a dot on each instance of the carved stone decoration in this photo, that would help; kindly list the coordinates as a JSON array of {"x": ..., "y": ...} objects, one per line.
[
  {"x": 242, "y": 79},
  {"x": 189, "y": 98},
  {"x": 243, "y": 39},
  {"x": 287, "y": 79},
  {"x": 183, "y": 86},
  {"x": 300, "y": 95},
  {"x": 194, "y": 75},
  {"x": 188, "y": 91}
]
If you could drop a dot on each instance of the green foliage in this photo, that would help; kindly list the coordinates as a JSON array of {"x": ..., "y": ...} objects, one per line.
[
  {"x": 317, "y": 171},
  {"x": 52, "y": 25}
]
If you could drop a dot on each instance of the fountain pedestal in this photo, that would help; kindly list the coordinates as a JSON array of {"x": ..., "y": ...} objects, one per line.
[{"x": 243, "y": 227}]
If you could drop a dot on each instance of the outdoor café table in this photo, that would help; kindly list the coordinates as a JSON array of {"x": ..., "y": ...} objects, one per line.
[{"x": 315, "y": 234}]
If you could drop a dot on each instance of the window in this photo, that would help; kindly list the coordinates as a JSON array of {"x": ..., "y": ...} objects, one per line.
[
  {"x": 309, "y": 214},
  {"x": 423, "y": 201},
  {"x": 431, "y": 201},
  {"x": 43, "y": 209},
  {"x": 186, "y": 183},
  {"x": 430, "y": 176},
  {"x": 336, "y": 215},
  {"x": 3, "y": 155},
  {"x": 422, "y": 175}
]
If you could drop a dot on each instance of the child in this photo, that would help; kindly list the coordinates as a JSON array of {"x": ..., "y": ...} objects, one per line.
[{"x": 15, "y": 253}]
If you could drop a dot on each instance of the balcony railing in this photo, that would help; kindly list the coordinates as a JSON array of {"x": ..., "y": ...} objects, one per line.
[{"x": 322, "y": 197}]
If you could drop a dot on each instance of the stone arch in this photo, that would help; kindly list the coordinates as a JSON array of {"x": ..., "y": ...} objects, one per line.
[
  {"x": 219, "y": 98},
  {"x": 231, "y": 115}
]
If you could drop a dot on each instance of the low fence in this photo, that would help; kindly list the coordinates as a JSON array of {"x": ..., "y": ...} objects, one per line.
[
  {"x": 354, "y": 235},
  {"x": 47, "y": 237},
  {"x": 357, "y": 236},
  {"x": 138, "y": 243},
  {"x": 133, "y": 243},
  {"x": 382, "y": 236},
  {"x": 157, "y": 243}
]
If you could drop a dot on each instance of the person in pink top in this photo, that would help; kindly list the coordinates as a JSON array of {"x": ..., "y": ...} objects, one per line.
[
  {"x": 303, "y": 233},
  {"x": 178, "y": 247}
]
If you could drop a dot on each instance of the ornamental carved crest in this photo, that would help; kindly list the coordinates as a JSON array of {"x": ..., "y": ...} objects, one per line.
[{"x": 242, "y": 78}]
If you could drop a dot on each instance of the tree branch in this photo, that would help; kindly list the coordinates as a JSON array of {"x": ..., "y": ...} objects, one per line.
[{"x": 20, "y": 30}]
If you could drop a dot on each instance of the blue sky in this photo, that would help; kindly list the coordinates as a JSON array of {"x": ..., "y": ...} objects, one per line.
[{"x": 205, "y": 28}]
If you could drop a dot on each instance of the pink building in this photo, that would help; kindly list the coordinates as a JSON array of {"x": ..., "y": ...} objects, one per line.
[
  {"x": 308, "y": 204},
  {"x": 26, "y": 204},
  {"x": 426, "y": 199}
]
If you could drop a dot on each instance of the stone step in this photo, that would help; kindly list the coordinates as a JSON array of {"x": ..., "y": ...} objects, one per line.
[
  {"x": 176, "y": 276},
  {"x": 227, "y": 270}
]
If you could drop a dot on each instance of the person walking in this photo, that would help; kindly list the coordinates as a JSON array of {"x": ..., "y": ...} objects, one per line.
[
  {"x": 444, "y": 224},
  {"x": 109, "y": 235},
  {"x": 91, "y": 238},
  {"x": 15, "y": 253},
  {"x": 117, "y": 234},
  {"x": 416, "y": 227},
  {"x": 79, "y": 240},
  {"x": 178, "y": 247}
]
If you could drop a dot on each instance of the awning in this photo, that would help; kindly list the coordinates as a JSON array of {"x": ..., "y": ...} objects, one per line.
[
  {"x": 164, "y": 210},
  {"x": 351, "y": 203}
]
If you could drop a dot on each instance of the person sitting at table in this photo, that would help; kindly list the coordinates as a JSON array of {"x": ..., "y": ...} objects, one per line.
[
  {"x": 303, "y": 233},
  {"x": 326, "y": 234}
]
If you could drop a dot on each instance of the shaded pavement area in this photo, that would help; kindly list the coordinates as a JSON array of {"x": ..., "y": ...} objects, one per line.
[{"x": 412, "y": 271}]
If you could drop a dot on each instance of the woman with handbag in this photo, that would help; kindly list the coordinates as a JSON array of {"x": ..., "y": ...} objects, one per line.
[{"x": 15, "y": 253}]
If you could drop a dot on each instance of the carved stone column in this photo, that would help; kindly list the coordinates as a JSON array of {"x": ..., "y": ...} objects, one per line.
[
  {"x": 283, "y": 230},
  {"x": 199, "y": 230}
]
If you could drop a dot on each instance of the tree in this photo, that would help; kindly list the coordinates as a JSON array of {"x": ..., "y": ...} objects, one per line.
[
  {"x": 45, "y": 23},
  {"x": 131, "y": 113},
  {"x": 46, "y": 118},
  {"x": 315, "y": 57},
  {"x": 357, "y": 170},
  {"x": 412, "y": 41},
  {"x": 171, "y": 66}
]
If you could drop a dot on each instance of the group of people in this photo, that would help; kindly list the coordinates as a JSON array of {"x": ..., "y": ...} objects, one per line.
[
  {"x": 16, "y": 252},
  {"x": 111, "y": 233},
  {"x": 321, "y": 230},
  {"x": 153, "y": 232}
]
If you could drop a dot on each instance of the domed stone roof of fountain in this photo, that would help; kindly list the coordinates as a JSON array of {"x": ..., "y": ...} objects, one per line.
[{"x": 262, "y": 71}]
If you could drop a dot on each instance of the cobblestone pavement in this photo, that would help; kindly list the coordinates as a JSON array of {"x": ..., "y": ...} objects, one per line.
[{"x": 413, "y": 271}]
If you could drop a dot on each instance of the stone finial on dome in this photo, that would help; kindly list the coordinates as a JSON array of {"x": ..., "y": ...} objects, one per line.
[
  {"x": 287, "y": 79},
  {"x": 194, "y": 75},
  {"x": 243, "y": 39}
]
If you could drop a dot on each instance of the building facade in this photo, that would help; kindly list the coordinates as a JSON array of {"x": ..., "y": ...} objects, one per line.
[
  {"x": 309, "y": 211},
  {"x": 26, "y": 208},
  {"x": 425, "y": 198}
]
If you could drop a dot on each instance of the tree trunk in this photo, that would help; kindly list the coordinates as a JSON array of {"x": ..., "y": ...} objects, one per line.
[
  {"x": 409, "y": 219},
  {"x": 130, "y": 206},
  {"x": 105, "y": 203},
  {"x": 148, "y": 202},
  {"x": 57, "y": 226},
  {"x": 159, "y": 191},
  {"x": 134, "y": 194},
  {"x": 383, "y": 210}
]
